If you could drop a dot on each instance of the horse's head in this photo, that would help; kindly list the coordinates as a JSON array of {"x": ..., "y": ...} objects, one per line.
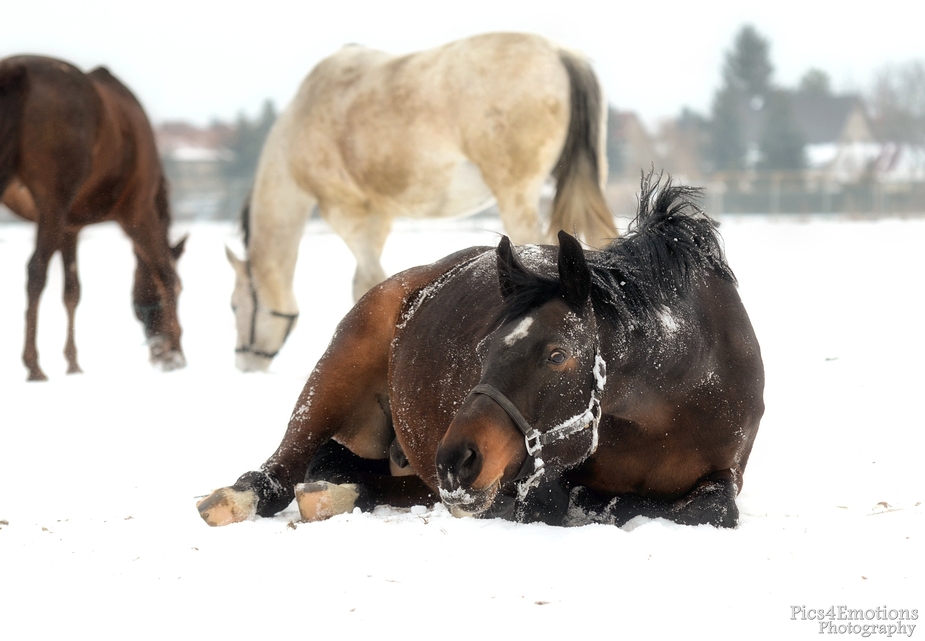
[
  {"x": 154, "y": 299},
  {"x": 262, "y": 330},
  {"x": 537, "y": 406}
]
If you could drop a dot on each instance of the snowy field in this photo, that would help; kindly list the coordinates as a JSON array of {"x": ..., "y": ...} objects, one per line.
[{"x": 100, "y": 472}]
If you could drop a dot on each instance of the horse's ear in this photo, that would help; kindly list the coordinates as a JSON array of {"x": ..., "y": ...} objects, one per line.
[
  {"x": 177, "y": 250},
  {"x": 574, "y": 274},
  {"x": 511, "y": 271},
  {"x": 236, "y": 263}
]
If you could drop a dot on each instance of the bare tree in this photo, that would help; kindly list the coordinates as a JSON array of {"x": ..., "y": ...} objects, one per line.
[{"x": 897, "y": 100}]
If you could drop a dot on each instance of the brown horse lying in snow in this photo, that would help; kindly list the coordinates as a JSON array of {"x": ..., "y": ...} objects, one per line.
[{"x": 553, "y": 384}]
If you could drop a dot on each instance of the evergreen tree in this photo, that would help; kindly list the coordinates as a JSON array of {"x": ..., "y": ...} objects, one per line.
[
  {"x": 748, "y": 66},
  {"x": 782, "y": 142},
  {"x": 815, "y": 82},
  {"x": 746, "y": 76},
  {"x": 615, "y": 144},
  {"x": 727, "y": 138},
  {"x": 247, "y": 142}
]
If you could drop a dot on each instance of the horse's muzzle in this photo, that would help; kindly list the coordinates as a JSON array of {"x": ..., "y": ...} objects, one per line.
[
  {"x": 458, "y": 468},
  {"x": 249, "y": 362},
  {"x": 461, "y": 502}
]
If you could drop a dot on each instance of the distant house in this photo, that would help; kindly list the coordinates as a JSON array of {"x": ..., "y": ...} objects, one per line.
[
  {"x": 183, "y": 142},
  {"x": 839, "y": 136},
  {"x": 901, "y": 163},
  {"x": 630, "y": 150},
  {"x": 193, "y": 160},
  {"x": 629, "y": 146}
]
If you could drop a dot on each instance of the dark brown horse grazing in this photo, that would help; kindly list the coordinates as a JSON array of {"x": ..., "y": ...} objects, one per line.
[
  {"x": 549, "y": 384},
  {"x": 77, "y": 149}
]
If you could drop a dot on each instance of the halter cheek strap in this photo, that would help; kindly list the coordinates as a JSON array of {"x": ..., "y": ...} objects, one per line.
[
  {"x": 530, "y": 435},
  {"x": 535, "y": 440},
  {"x": 249, "y": 348}
]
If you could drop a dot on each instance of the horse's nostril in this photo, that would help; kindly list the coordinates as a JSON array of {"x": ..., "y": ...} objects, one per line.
[
  {"x": 459, "y": 466},
  {"x": 468, "y": 466}
]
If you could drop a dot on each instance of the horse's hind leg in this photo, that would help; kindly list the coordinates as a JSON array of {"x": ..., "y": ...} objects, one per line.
[
  {"x": 71, "y": 297},
  {"x": 37, "y": 271},
  {"x": 365, "y": 234},
  {"x": 712, "y": 502},
  {"x": 518, "y": 206}
]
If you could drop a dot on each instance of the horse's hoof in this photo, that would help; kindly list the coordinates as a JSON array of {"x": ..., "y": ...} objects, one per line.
[
  {"x": 169, "y": 361},
  {"x": 227, "y": 506},
  {"x": 37, "y": 375},
  {"x": 321, "y": 500},
  {"x": 74, "y": 369}
]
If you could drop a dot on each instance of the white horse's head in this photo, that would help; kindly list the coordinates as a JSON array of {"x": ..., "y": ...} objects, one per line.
[{"x": 262, "y": 330}]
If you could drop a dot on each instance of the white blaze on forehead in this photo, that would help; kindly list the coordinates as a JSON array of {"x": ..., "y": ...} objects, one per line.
[
  {"x": 519, "y": 332},
  {"x": 668, "y": 321}
]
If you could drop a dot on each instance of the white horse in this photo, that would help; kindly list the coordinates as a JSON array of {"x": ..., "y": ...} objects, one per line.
[{"x": 370, "y": 137}]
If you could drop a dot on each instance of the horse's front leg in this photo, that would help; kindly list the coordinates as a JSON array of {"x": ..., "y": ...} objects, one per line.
[
  {"x": 71, "y": 297},
  {"x": 338, "y": 481},
  {"x": 345, "y": 398},
  {"x": 546, "y": 502}
]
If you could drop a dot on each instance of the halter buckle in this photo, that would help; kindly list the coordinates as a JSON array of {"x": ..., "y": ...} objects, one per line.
[{"x": 532, "y": 440}]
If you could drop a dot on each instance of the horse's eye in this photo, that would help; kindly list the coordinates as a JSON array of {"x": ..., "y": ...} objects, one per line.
[{"x": 557, "y": 357}]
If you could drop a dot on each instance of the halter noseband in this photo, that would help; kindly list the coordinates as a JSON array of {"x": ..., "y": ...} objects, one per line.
[
  {"x": 535, "y": 440},
  {"x": 249, "y": 348}
]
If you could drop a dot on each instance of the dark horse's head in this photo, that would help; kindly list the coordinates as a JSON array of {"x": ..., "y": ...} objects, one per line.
[
  {"x": 154, "y": 299},
  {"x": 537, "y": 406}
]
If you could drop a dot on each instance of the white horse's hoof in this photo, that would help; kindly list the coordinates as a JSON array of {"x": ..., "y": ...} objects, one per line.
[
  {"x": 321, "y": 500},
  {"x": 226, "y": 506}
]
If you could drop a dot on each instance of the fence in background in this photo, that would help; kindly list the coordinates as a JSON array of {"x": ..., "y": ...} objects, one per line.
[{"x": 209, "y": 196}]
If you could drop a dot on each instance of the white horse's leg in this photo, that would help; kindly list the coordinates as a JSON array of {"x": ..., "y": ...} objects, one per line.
[
  {"x": 519, "y": 206},
  {"x": 278, "y": 210},
  {"x": 365, "y": 235}
]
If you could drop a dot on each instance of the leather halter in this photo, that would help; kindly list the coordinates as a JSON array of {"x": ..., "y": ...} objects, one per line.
[
  {"x": 535, "y": 440},
  {"x": 249, "y": 348}
]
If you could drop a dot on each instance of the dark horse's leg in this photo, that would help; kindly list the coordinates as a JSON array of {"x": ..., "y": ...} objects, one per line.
[
  {"x": 345, "y": 397},
  {"x": 547, "y": 503},
  {"x": 712, "y": 502},
  {"x": 156, "y": 282},
  {"x": 37, "y": 275},
  {"x": 337, "y": 481},
  {"x": 71, "y": 297}
]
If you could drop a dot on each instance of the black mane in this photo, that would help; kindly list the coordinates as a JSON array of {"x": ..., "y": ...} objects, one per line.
[
  {"x": 246, "y": 221},
  {"x": 670, "y": 243}
]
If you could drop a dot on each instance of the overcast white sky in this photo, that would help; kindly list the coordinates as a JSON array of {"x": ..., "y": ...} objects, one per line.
[{"x": 199, "y": 60}]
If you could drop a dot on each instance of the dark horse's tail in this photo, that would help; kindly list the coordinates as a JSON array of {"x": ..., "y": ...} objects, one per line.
[
  {"x": 579, "y": 204},
  {"x": 12, "y": 100}
]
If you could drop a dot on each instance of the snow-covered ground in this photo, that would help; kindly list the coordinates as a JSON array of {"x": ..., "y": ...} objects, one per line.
[{"x": 99, "y": 473}]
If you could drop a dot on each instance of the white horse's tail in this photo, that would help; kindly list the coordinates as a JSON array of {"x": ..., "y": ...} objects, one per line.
[{"x": 579, "y": 205}]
